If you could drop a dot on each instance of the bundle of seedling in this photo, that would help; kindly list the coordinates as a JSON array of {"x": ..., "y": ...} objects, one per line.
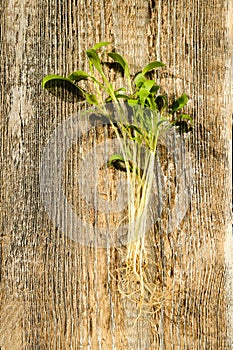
[{"x": 139, "y": 114}]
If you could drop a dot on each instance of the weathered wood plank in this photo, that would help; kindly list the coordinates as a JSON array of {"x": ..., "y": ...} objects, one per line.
[{"x": 57, "y": 293}]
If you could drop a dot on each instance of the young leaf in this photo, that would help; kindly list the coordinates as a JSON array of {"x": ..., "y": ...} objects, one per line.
[
  {"x": 132, "y": 103},
  {"x": 120, "y": 59},
  {"x": 139, "y": 80},
  {"x": 94, "y": 59},
  {"x": 152, "y": 65},
  {"x": 63, "y": 88},
  {"x": 118, "y": 162},
  {"x": 179, "y": 103},
  {"x": 109, "y": 99},
  {"x": 114, "y": 66},
  {"x": 78, "y": 75},
  {"x": 143, "y": 94},
  {"x": 101, "y": 44},
  {"x": 121, "y": 89},
  {"x": 154, "y": 89},
  {"x": 134, "y": 127},
  {"x": 139, "y": 141},
  {"x": 116, "y": 157},
  {"x": 92, "y": 99},
  {"x": 122, "y": 96},
  {"x": 150, "y": 102},
  {"x": 184, "y": 116},
  {"x": 52, "y": 77},
  {"x": 148, "y": 84}
]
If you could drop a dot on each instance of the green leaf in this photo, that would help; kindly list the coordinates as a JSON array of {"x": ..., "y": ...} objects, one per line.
[
  {"x": 184, "y": 116},
  {"x": 94, "y": 59},
  {"x": 116, "y": 157},
  {"x": 132, "y": 103},
  {"x": 120, "y": 59},
  {"x": 150, "y": 102},
  {"x": 122, "y": 164},
  {"x": 143, "y": 94},
  {"x": 101, "y": 44},
  {"x": 52, "y": 77},
  {"x": 134, "y": 127},
  {"x": 92, "y": 99},
  {"x": 139, "y": 80},
  {"x": 151, "y": 66},
  {"x": 118, "y": 162},
  {"x": 108, "y": 99},
  {"x": 148, "y": 84},
  {"x": 121, "y": 89},
  {"x": 63, "y": 88},
  {"x": 122, "y": 96},
  {"x": 179, "y": 103},
  {"x": 78, "y": 75},
  {"x": 154, "y": 89},
  {"x": 137, "y": 139}
]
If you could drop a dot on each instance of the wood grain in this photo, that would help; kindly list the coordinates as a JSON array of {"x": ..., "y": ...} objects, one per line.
[{"x": 57, "y": 293}]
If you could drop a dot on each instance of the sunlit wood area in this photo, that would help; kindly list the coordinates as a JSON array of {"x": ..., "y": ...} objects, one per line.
[{"x": 60, "y": 288}]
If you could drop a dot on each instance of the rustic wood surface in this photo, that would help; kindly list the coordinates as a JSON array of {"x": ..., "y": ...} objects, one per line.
[{"x": 57, "y": 293}]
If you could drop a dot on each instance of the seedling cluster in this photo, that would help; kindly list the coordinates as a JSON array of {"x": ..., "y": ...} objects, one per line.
[{"x": 139, "y": 115}]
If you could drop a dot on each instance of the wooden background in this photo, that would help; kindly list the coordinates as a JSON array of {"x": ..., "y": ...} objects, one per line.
[{"x": 57, "y": 293}]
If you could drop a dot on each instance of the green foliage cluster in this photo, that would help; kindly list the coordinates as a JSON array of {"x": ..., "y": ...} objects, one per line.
[
  {"x": 141, "y": 115},
  {"x": 139, "y": 93}
]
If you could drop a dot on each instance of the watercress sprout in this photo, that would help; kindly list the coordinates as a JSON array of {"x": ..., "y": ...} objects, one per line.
[{"x": 143, "y": 114}]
